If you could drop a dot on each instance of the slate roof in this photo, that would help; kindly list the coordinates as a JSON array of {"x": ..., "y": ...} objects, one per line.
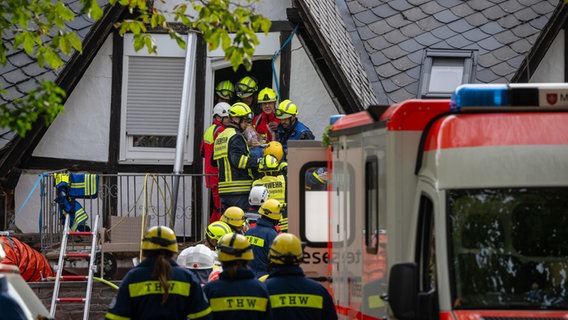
[{"x": 391, "y": 36}]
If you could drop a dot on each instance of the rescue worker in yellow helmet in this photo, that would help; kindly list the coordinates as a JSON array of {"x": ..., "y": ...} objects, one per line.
[
  {"x": 214, "y": 231},
  {"x": 246, "y": 89},
  {"x": 287, "y": 282},
  {"x": 265, "y": 121},
  {"x": 231, "y": 155},
  {"x": 158, "y": 288},
  {"x": 235, "y": 218},
  {"x": 237, "y": 294},
  {"x": 261, "y": 235},
  {"x": 224, "y": 91},
  {"x": 272, "y": 178},
  {"x": 275, "y": 148},
  {"x": 290, "y": 127}
]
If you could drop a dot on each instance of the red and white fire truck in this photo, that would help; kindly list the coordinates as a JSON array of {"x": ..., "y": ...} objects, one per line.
[{"x": 440, "y": 209}]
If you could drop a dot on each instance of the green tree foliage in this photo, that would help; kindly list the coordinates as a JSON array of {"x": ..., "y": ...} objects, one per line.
[{"x": 39, "y": 28}]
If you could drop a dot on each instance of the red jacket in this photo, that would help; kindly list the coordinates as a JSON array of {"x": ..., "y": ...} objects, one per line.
[
  {"x": 207, "y": 152},
  {"x": 261, "y": 122}
]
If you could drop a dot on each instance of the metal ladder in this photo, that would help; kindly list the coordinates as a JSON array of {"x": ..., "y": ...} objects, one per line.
[{"x": 63, "y": 254}]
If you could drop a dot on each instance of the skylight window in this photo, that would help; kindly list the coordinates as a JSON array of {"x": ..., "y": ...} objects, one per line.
[{"x": 443, "y": 71}]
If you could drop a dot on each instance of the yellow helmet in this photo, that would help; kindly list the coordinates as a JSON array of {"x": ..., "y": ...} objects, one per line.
[
  {"x": 217, "y": 229},
  {"x": 234, "y": 246},
  {"x": 267, "y": 95},
  {"x": 246, "y": 87},
  {"x": 274, "y": 148},
  {"x": 286, "y": 109},
  {"x": 286, "y": 249},
  {"x": 225, "y": 90},
  {"x": 234, "y": 216},
  {"x": 269, "y": 163},
  {"x": 271, "y": 209},
  {"x": 160, "y": 238},
  {"x": 240, "y": 109}
]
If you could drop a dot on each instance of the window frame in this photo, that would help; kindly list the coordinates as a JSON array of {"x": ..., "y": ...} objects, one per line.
[
  {"x": 147, "y": 155},
  {"x": 468, "y": 57}
]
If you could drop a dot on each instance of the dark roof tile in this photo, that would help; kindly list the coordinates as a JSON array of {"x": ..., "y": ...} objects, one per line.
[
  {"x": 462, "y": 10},
  {"x": 365, "y": 17},
  {"x": 418, "y": 2},
  {"x": 487, "y": 60},
  {"x": 446, "y": 16},
  {"x": 543, "y": 7},
  {"x": 378, "y": 58},
  {"x": 449, "y": 3},
  {"x": 428, "y": 24},
  {"x": 539, "y": 23},
  {"x": 401, "y": 95},
  {"x": 402, "y": 79},
  {"x": 410, "y": 45},
  {"x": 411, "y": 30},
  {"x": 431, "y": 7},
  {"x": 443, "y": 32},
  {"x": 489, "y": 44},
  {"x": 524, "y": 30},
  {"x": 416, "y": 56},
  {"x": 502, "y": 69},
  {"x": 527, "y": 14},
  {"x": 379, "y": 27},
  {"x": 397, "y": 21},
  {"x": 354, "y": 6},
  {"x": 521, "y": 46},
  {"x": 426, "y": 39},
  {"x": 395, "y": 36},
  {"x": 414, "y": 72},
  {"x": 494, "y": 13},
  {"x": 400, "y": 5},
  {"x": 394, "y": 52},
  {"x": 516, "y": 61},
  {"x": 486, "y": 76},
  {"x": 491, "y": 28},
  {"x": 479, "y": 5},
  {"x": 477, "y": 19},
  {"x": 365, "y": 33},
  {"x": 475, "y": 35},
  {"x": 460, "y": 26},
  {"x": 386, "y": 70},
  {"x": 506, "y": 37},
  {"x": 414, "y": 14},
  {"x": 504, "y": 53},
  {"x": 389, "y": 85},
  {"x": 377, "y": 43},
  {"x": 458, "y": 41},
  {"x": 384, "y": 11},
  {"x": 403, "y": 63}
]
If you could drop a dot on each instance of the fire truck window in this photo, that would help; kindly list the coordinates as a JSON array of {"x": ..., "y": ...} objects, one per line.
[
  {"x": 316, "y": 200},
  {"x": 372, "y": 205}
]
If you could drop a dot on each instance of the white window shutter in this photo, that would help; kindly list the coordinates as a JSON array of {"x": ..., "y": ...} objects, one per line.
[{"x": 154, "y": 95}]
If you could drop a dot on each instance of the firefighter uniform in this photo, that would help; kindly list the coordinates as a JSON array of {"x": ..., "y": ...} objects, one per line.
[
  {"x": 260, "y": 238},
  {"x": 140, "y": 296},
  {"x": 235, "y": 168},
  {"x": 243, "y": 297},
  {"x": 293, "y": 296}
]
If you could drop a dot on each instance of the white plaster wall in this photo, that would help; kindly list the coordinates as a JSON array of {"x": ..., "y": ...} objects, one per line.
[
  {"x": 308, "y": 92},
  {"x": 551, "y": 68},
  {"x": 82, "y": 130}
]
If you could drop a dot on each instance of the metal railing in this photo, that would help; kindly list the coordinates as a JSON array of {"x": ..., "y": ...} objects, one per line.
[{"x": 150, "y": 196}]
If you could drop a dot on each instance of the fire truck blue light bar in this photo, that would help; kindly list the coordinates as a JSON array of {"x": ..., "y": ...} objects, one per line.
[{"x": 515, "y": 95}]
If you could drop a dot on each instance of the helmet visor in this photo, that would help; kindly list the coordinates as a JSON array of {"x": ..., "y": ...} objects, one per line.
[{"x": 281, "y": 114}]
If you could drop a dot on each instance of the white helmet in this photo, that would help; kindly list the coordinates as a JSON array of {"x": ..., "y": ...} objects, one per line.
[
  {"x": 257, "y": 195},
  {"x": 221, "y": 109},
  {"x": 196, "y": 257}
]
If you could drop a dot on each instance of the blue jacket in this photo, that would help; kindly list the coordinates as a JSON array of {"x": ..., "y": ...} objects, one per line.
[
  {"x": 293, "y": 296},
  {"x": 260, "y": 237},
  {"x": 139, "y": 297},
  {"x": 244, "y": 297},
  {"x": 297, "y": 131}
]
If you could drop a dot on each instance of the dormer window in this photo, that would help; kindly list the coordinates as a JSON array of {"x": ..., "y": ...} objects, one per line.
[{"x": 443, "y": 71}]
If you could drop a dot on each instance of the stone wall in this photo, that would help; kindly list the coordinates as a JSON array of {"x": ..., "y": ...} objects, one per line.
[{"x": 101, "y": 297}]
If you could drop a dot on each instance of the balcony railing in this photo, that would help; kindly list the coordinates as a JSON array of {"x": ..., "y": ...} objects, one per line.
[{"x": 150, "y": 196}]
